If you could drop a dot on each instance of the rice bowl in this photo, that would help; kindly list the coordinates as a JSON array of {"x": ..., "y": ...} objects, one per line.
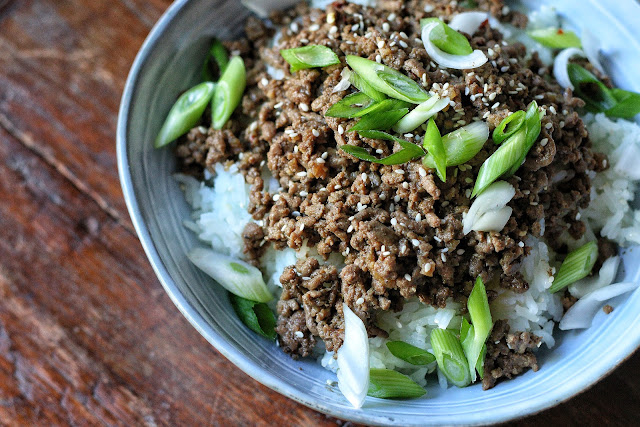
[{"x": 630, "y": 226}]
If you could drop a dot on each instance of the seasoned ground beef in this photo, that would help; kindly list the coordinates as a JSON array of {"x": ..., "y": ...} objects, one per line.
[
  {"x": 508, "y": 354},
  {"x": 399, "y": 227}
]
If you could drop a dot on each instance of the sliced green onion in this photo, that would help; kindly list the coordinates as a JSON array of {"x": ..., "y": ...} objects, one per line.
[
  {"x": 509, "y": 157},
  {"x": 379, "y": 120},
  {"x": 421, "y": 114},
  {"x": 386, "y": 105},
  {"x": 533, "y": 125},
  {"x": 236, "y": 276},
  {"x": 350, "y": 106},
  {"x": 474, "y": 337},
  {"x": 229, "y": 91},
  {"x": 555, "y": 38},
  {"x": 185, "y": 113},
  {"x": 599, "y": 98},
  {"x": 410, "y": 353},
  {"x": 388, "y": 384},
  {"x": 450, "y": 357},
  {"x": 593, "y": 92},
  {"x": 461, "y": 145},
  {"x": 311, "y": 56},
  {"x": 469, "y": 4},
  {"x": 366, "y": 88},
  {"x": 256, "y": 315},
  {"x": 447, "y": 39},
  {"x": 508, "y": 127},
  {"x": 480, "y": 364},
  {"x": 628, "y": 105},
  {"x": 434, "y": 146},
  {"x": 577, "y": 265},
  {"x": 409, "y": 151},
  {"x": 387, "y": 80},
  {"x": 220, "y": 57}
]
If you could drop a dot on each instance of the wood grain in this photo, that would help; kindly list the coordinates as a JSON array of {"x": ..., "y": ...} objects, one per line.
[{"x": 87, "y": 334}]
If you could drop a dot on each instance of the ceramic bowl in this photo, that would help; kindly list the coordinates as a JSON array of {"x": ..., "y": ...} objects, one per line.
[{"x": 168, "y": 63}]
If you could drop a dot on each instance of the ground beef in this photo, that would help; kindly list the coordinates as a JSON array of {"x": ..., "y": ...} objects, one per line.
[
  {"x": 399, "y": 228},
  {"x": 508, "y": 354}
]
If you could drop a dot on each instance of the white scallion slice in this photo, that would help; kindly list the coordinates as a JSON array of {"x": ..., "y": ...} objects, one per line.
[
  {"x": 389, "y": 384},
  {"x": 236, "y": 276},
  {"x": 447, "y": 60},
  {"x": 421, "y": 114},
  {"x": 577, "y": 265},
  {"x": 488, "y": 210},
  {"x": 475, "y": 337},
  {"x": 591, "y": 46},
  {"x": 345, "y": 83},
  {"x": 561, "y": 64},
  {"x": 353, "y": 359},
  {"x": 605, "y": 277},
  {"x": 468, "y": 22},
  {"x": 450, "y": 357},
  {"x": 461, "y": 145},
  {"x": 581, "y": 314}
]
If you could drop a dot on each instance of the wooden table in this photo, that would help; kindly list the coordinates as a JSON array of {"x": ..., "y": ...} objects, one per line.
[{"x": 87, "y": 334}]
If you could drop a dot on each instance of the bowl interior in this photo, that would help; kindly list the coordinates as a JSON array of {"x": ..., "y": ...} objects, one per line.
[{"x": 169, "y": 63}]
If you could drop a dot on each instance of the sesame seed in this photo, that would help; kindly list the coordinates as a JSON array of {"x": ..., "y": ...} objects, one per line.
[
  {"x": 298, "y": 334},
  {"x": 521, "y": 244},
  {"x": 403, "y": 44},
  {"x": 467, "y": 193},
  {"x": 492, "y": 96},
  {"x": 460, "y": 251},
  {"x": 396, "y": 198},
  {"x": 415, "y": 242},
  {"x": 490, "y": 52},
  {"x": 486, "y": 115},
  {"x": 391, "y": 16},
  {"x": 355, "y": 27},
  {"x": 539, "y": 97},
  {"x": 364, "y": 177},
  {"x": 422, "y": 172},
  {"x": 302, "y": 227},
  {"x": 314, "y": 27},
  {"x": 325, "y": 155},
  {"x": 544, "y": 142},
  {"x": 548, "y": 125},
  {"x": 315, "y": 132},
  {"x": 304, "y": 107},
  {"x": 340, "y": 129},
  {"x": 320, "y": 160},
  {"x": 392, "y": 44},
  {"x": 264, "y": 81},
  {"x": 278, "y": 105},
  {"x": 437, "y": 239},
  {"x": 578, "y": 216},
  {"x": 303, "y": 173},
  {"x": 380, "y": 44},
  {"x": 443, "y": 257},
  {"x": 378, "y": 59},
  {"x": 386, "y": 253},
  {"x": 405, "y": 185},
  {"x": 552, "y": 109},
  {"x": 400, "y": 171},
  {"x": 468, "y": 180},
  {"x": 303, "y": 194},
  {"x": 418, "y": 217},
  {"x": 296, "y": 149},
  {"x": 504, "y": 69},
  {"x": 337, "y": 186},
  {"x": 408, "y": 135},
  {"x": 350, "y": 229},
  {"x": 496, "y": 105},
  {"x": 407, "y": 277},
  {"x": 386, "y": 27},
  {"x": 360, "y": 301},
  {"x": 333, "y": 30},
  {"x": 276, "y": 197}
]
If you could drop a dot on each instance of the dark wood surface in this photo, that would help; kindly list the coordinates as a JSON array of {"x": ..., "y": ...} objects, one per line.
[{"x": 87, "y": 334}]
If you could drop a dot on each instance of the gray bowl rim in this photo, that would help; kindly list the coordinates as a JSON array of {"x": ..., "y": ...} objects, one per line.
[{"x": 198, "y": 322}]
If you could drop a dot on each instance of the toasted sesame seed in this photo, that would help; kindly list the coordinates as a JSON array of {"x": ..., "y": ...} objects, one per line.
[
  {"x": 460, "y": 251},
  {"x": 544, "y": 142},
  {"x": 407, "y": 277},
  {"x": 298, "y": 334},
  {"x": 304, "y": 107},
  {"x": 278, "y": 105},
  {"x": 490, "y": 52},
  {"x": 340, "y": 129},
  {"x": 422, "y": 172},
  {"x": 539, "y": 97},
  {"x": 320, "y": 160},
  {"x": 386, "y": 27},
  {"x": 355, "y": 27},
  {"x": 386, "y": 253},
  {"x": 378, "y": 59},
  {"x": 552, "y": 109},
  {"x": 548, "y": 125},
  {"x": 264, "y": 81},
  {"x": 314, "y": 27},
  {"x": 303, "y": 194},
  {"x": 521, "y": 244},
  {"x": 403, "y": 44},
  {"x": 418, "y": 217},
  {"x": 437, "y": 239},
  {"x": 333, "y": 30},
  {"x": 496, "y": 105},
  {"x": 492, "y": 96},
  {"x": 350, "y": 229},
  {"x": 364, "y": 177},
  {"x": 380, "y": 44},
  {"x": 405, "y": 185},
  {"x": 486, "y": 115},
  {"x": 360, "y": 301},
  {"x": 443, "y": 257},
  {"x": 400, "y": 171},
  {"x": 504, "y": 69}
]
